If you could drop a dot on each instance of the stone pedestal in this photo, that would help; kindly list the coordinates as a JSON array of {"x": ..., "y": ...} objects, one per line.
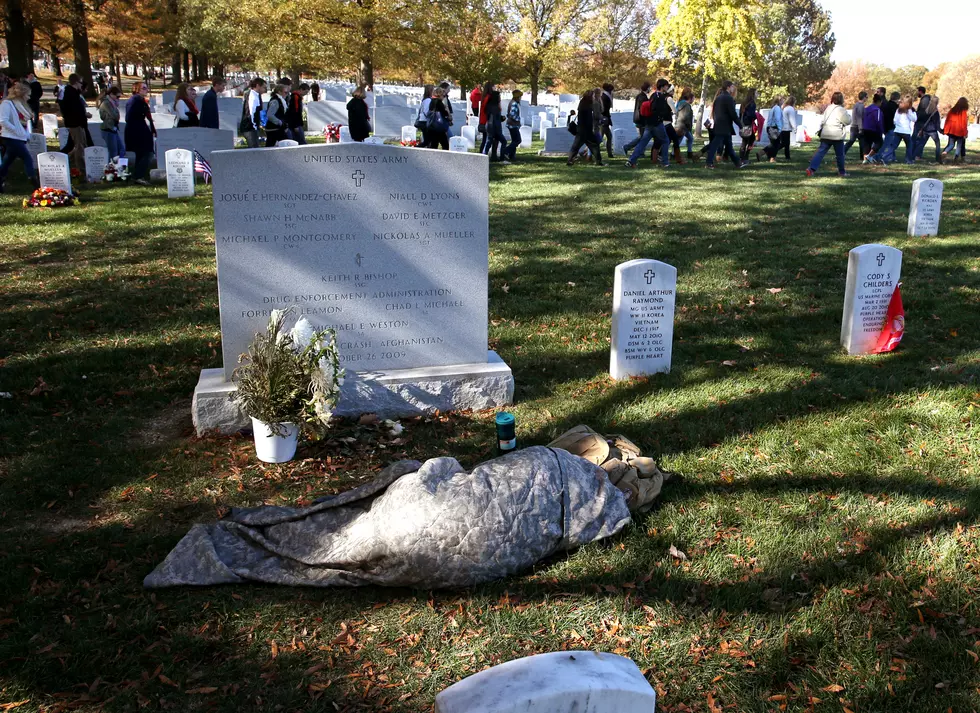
[{"x": 393, "y": 393}]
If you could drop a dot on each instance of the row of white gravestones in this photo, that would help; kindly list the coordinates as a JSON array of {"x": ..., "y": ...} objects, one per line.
[
  {"x": 180, "y": 173},
  {"x": 924, "y": 208}
]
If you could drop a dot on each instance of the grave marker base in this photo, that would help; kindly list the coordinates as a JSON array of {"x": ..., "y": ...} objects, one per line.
[{"x": 394, "y": 393}]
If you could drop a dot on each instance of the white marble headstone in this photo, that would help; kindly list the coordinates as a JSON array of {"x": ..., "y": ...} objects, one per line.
[
  {"x": 409, "y": 133},
  {"x": 473, "y": 121},
  {"x": 36, "y": 146},
  {"x": 96, "y": 158},
  {"x": 53, "y": 170},
  {"x": 873, "y": 272},
  {"x": 458, "y": 143},
  {"x": 374, "y": 141},
  {"x": 180, "y": 173},
  {"x": 620, "y": 139},
  {"x": 345, "y": 137},
  {"x": 468, "y": 133},
  {"x": 286, "y": 143},
  {"x": 527, "y": 136},
  {"x": 562, "y": 681},
  {"x": 644, "y": 296},
  {"x": 927, "y": 200},
  {"x": 50, "y": 124},
  {"x": 387, "y": 246}
]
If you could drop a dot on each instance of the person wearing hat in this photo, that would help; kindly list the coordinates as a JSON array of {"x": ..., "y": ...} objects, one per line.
[{"x": 514, "y": 122}]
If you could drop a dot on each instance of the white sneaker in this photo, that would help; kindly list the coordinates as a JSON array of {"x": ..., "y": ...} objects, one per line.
[{"x": 505, "y": 163}]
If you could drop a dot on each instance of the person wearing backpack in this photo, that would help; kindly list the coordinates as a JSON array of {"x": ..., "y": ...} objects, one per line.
[
  {"x": 655, "y": 111},
  {"x": 774, "y": 130},
  {"x": 275, "y": 127},
  {"x": 437, "y": 124},
  {"x": 834, "y": 127},
  {"x": 422, "y": 115},
  {"x": 639, "y": 121},
  {"x": 514, "y": 122},
  {"x": 251, "y": 120}
]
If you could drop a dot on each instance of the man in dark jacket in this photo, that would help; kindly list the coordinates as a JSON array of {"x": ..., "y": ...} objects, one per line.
[
  {"x": 294, "y": 114},
  {"x": 34, "y": 101},
  {"x": 657, "y": 111},
  {"x": 606, "y": 122},
  {"x": 76, "y": 119},
  {"x": 209, "y": 104},
  {"x": 921, "y": 117},
  {"x": 724, "y": 116},
  {"x": 639, "y": 121}
]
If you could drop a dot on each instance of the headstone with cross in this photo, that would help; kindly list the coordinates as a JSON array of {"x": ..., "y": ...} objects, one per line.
[
  {"x": 924, "y": 209},
  {"x": 180, "y": 173},
  {"x": 387, "y": 246},
  {"x": 644, "y": 296},
  {"x": 873, "y": 272}
]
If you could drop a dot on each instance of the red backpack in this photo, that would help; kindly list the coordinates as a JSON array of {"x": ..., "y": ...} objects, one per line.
[{"x": 646, "y": 109}]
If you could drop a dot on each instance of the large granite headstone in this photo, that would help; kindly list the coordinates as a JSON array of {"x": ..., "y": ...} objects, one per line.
[
  {"x": 96, "y": 158},
  {"x": 194, "y": 138},
  {"x": 562, "y": 681},
  {"x": 927, "y": 200},
  {"x": 180, "y": 173},
  {"x": 873, "y": 273},
  {"x": 387, "y": 246},
  {"x": 53, "y": 170},
  {"x": 644, "y": 296}
]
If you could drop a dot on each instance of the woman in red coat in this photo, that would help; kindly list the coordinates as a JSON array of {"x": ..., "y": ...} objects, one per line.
[{"x": 955, "y": 128}]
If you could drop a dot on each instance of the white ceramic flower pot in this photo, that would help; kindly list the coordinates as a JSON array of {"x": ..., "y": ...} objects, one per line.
[{"x": 273, "y": 448}]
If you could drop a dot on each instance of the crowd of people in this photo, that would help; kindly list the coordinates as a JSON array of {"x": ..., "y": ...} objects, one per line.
[{"x": 878, "y": 126}]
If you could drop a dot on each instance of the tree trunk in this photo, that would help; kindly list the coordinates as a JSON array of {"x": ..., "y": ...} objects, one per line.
[
  {"x": 219, "y": 70},
  {"x": 294, "y": 74},
  {"x": 203, "y": 68},
  {"x": 462, "y": 93},
  {"x": 187, "y": 66},
  {"x": 17, "y": 38},
  {"x": 29, "y": 46},
  {"x": 115, "y": 70},
  {"x": 535, "y": 77},
  {"x": 79, "y": 43},
  {"x": 704, "y": 98},
  {"x": 175, "y": 67},
  {"x": 365, "y": 73},
  {"x": 56, "y": 62}
]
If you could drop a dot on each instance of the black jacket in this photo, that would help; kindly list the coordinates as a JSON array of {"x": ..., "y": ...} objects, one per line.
[
  {"x": 73, "y": 109},
  {"x": 888, "y": 111},
  {"x": 294, "y": 110},
  {"x": 662, "y": 112},
  {"x": 723, "y": 113},
  {"x": 358, "y": 120},
  {"x": 638, "y": 102},
  {"x": 36, "y": 91},
  {"x": 209, "y": 110},
  {"x": 606, "y": 106},
  {"x": 586, "y": 115}
]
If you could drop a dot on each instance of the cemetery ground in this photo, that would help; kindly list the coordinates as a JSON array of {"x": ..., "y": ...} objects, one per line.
[{"x": 821, "y": 553}]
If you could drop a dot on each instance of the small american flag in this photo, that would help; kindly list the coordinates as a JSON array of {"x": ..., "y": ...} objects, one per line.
[{"x": 202, "y": 166}]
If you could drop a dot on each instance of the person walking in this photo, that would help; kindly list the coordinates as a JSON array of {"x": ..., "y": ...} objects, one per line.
[
  {"x": 791, "y": 120},
  {"x": 496, "y": 141},
  {"x": 639, "y": 121},
  {"x": 586, "y": 135},
  {"x": 75, "y": 116},
  {"x": 15, "y": 132},
  {"x": 857, "y": 125},
  {"x": 185, "y": 106},
  {"x": 930, "y": 130},
  {"x": 774, "y": 129},
  {"x": 294, "y": 114},
  {"x": 34, "y": 99},
  {"x": 109, "y": 113},
  {"x": 358, "y": 115},
  {"x": 921, "y": 116},
  {"x": 956, "y": 128},
  {"x": 605, "y": 123},
  {"x": 444, "y": 86},
  {"x": 905, "y": 121},
  {"x": 747, "y": 123},
  {"x": 275, "y": 126},
  {"x": 438, "y": 121},
  {"x": 514, "y": 122},
  {"x": 725, "y": 120},
  {"x": 483, "y": 98},
  {"x": 315, "y": 92},
  {"x": 140, "y": 132},
  {"x": 873, "y": 128},
  {"x": 834, "y": 126},
  {"x": 422, "y": 115},
  {"x": 251, "y": 120},
  {"x": 684, "y": 125},
  {"x": 888, "y": 110},
  {"x": 655, "y": 111},
  {"x": 209, "y": 118}
]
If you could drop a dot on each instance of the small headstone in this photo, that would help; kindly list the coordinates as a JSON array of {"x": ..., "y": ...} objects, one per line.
[
  {"x": 409, "y": 133},
  {"x": 53, "y": 171},
  {"x": 180, "y": 173},
  {"x": 585, "y": 681},
  {"x": 96, "y": 158},
  {"x": 50, "y": 124},
  {"x": 458, "y": 143},
  {"x": 543, "y": 127},
  {"x": 62, "y": 137},
  {"x": 927, "y": 200},
  {"x": 472, "y": 121},
  {"x": 644, "y": 295},
  {"x": 620, "y": 139},
  {"x": 536, "y": 122},
  {"x": 873, "y": 272},
  {"x": 527, "y": 136},
  {"x": 37, "y": 145},
  {"x": 345, "y": 137},
  {"x": 374, "y": 141},
  {"x": 286, "y": 143},
  {"x": 468, "y": 133}
]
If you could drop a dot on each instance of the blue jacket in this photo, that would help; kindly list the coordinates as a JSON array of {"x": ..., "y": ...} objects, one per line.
[{"x": 209, "y": 109}]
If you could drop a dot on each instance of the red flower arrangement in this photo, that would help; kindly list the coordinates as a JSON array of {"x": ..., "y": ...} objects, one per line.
[
  {"x": 410, "y": 142},
  {"x": 75, "y": 173},
  {"x": 50, "y": 198},
  {"x": 332, "y": 133}
]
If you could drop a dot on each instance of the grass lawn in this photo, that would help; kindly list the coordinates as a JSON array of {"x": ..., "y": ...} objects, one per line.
[{"x": 829, "y": 510}]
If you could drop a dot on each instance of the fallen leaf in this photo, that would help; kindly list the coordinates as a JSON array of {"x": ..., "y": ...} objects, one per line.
[
  {"x": 774, "y": 290},
  {"x": 729, "y": 362},
  {"x": 164, "y": 679},
  {"x": 16, "y": 704},
  {"x": 368, "y": 419},
  {"x": 201, "y": 690},
  {"x": 506, "y": 288},
  {"x": 833, "y": 688},
  {"x": 677, "y": 554}
]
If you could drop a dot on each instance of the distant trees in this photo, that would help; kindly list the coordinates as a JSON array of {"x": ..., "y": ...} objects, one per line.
[{"x": 962, "y": 79}]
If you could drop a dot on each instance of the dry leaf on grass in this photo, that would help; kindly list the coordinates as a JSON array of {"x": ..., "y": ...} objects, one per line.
[{"x": 677, "y": 554}]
